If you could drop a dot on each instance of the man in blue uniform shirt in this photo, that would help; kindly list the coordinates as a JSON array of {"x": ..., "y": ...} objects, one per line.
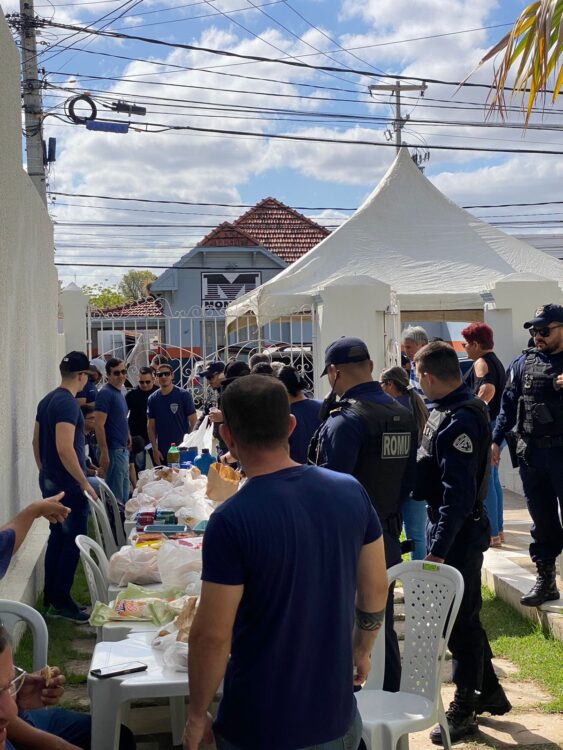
[
  {"x": 171, "y": 414},
  {"x": 533, "y": 403},
  {"x": 285, "y": 561},
  {"x": 58, "y": 447},
  {"x": 371, "y": 436},
  {"x": 452, "y": 474},
  {"x": 112, "y": 431}
]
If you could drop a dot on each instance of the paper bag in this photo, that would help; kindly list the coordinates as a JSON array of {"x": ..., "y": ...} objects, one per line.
[{"x": 222, "y": 482}]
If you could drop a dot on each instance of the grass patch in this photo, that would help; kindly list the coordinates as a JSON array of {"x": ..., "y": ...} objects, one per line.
[{"x": 538, "y": 656}]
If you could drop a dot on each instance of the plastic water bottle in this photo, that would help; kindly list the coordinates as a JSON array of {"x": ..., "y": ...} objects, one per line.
[
  {"x": 204, "y": 461},
  {"x": 173, "y": 457}
]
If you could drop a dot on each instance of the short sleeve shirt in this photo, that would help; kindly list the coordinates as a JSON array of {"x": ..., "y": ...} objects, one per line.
[
  {"x": 171, "y": 414},
  {"x": 111, "y": 402},
  {"x": 306, "y": 414},
  {"x": 56, "y": 407},
  {"x": 7, "y": 541},
  {"x": 293, "y": 539},
  {"x": 137, "y": 404},
  {"x": 89, "y": 392}
]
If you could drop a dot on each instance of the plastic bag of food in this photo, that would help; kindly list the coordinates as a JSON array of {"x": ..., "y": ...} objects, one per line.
[
  {"x": 157, "y": 489},
  {"x": 222, "y": 482},
  {"x": 200, "y": 438},
  {"x": 177, "y": 559},
  {"x": 199, "y": 509},
  {"x": 138, "y": 503},
  {"x": 175, "y": 656},
  {"x": 134, "y": 565},
  {"x": 146, "y": 476}
]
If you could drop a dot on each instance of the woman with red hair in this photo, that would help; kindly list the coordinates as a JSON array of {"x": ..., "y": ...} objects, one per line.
[{"x": 488, "y": 378}]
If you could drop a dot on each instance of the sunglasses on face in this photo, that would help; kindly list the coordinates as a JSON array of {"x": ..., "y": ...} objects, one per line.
[
  {"x": 166, "y": 374},
  {"x": 145, "y": 382},
  {"x": 543, "y": 332},
  {"x": 119, "y": 372}
]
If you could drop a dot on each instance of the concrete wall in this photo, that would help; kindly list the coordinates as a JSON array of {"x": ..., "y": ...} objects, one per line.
[{"x": 28, "y": 312}]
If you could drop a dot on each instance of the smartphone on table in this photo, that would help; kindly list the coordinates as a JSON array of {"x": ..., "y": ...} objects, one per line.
[{"x": 116, "y": 670}]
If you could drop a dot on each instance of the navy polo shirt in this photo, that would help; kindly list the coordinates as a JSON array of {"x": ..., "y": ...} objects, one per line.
[
  {"x": 111, "y": 401},
  {"x": 59, "y": 406},
  {"x": 89, "y": 392},
  {"x": 171, "y": 414},
  {"x": 306, "y": 414}
]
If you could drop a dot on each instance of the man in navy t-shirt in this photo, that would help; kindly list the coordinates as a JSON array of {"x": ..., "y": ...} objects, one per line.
[
  {"x": 58, "y": 447},
  {"x": 112, "y": 431},
  {"x": 171, "y": 414},
  {"x": 285, "y": 562}
]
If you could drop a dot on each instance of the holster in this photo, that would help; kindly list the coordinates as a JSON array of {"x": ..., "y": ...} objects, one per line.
[{"x": 512, "y": 441}]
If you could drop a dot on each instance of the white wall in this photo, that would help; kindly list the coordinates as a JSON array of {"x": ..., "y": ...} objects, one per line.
[{"x": 28, "y": 297}]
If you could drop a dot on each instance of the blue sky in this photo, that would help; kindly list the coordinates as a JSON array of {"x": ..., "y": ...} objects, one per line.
[{"x": 404, "y": 37}]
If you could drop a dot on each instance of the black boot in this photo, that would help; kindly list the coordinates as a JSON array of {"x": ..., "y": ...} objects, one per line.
[
  {"x": 493, "y": 702},
  {"x": 545, "y": 588},
  {"x": 460, "y": 716}
]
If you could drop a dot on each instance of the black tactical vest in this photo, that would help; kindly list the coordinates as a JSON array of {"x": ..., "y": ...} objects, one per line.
[
  {"x": 428, "y": 475},
  {"x": 540, "y": 407},
  {"x": 384, "y": 455}
]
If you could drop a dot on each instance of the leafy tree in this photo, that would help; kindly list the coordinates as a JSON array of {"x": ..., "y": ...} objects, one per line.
[
  {"x": 536, "y": 41},
  {"x": 103, "y": 296},
  {"x": 133, "y": 285}
]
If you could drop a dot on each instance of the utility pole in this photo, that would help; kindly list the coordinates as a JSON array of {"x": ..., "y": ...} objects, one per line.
[
  {"x": 32, "y": 99},
  {"x": 399, "y": 122}
]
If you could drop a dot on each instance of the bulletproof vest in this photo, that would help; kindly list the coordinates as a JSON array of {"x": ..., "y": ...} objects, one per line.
[
  {"x": 540, "y": 407},
  {"x": 384, "y": 455},
  {"x": 428, "y": 474}
]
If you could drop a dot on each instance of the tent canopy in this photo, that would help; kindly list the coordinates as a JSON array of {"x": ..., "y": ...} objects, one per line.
[{"x": 432, "y": 253}]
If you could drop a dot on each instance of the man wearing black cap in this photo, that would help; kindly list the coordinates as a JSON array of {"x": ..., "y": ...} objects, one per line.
[
  {"x": 533, "y": 403},
  {"x": 371, "y": 436},
  {"x": 58, "y": 447}
]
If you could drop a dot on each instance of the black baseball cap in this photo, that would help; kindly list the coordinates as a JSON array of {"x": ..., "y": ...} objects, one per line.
[
  {"x": 550, "y": 313},
  {"x": 213, "y": 368},
  {"x": 76, "y": 362},
  {"x": 344, "y": 351}
]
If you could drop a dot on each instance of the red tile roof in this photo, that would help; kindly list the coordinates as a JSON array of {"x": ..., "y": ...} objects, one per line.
[
  {"x": 144, "y": 308},
  {"x": 227, "y": 235},
  {"x": 280, "y": 229}
]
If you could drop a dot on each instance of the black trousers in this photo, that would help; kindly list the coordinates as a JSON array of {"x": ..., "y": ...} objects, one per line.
[
  {"x": 392, "y": 677},
  {"x": 542, "y": 479},
  {"x": 472, "y": 667}
]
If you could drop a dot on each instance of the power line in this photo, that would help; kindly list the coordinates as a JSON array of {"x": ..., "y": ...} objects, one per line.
[
  {"x": 252, "y": 205},
  {"x": 260, "y": 58}
]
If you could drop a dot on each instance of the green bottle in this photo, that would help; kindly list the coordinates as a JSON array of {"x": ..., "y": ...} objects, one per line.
[{"x": 173, "y": 457}]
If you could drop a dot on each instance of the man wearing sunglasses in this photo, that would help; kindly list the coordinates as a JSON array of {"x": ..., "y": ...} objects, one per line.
[
  {"x": 112, "y": 431},
  {"x": 170, "y": 414},
  {"x": 532, "y": 402},
  {"x": 137, "y": 402}
]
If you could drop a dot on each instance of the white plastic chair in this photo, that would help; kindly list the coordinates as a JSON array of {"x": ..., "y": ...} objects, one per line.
[
  {"x": 97, "y": 573},
  {"x": 102, "y": 527},
  {"x": 110, "y": 501},
  {"x": 19, "y": 611},
  {"x": 432, "y": 595}
]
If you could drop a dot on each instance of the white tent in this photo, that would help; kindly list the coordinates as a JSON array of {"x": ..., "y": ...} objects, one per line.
[{"x": 433, "y": 254}]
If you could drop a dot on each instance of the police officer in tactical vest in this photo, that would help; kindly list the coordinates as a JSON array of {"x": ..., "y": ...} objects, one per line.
[
  {"x": 371, "y": 436},
  {"x": 452, "y": 473},
  {"x": 533, "y": 403}
]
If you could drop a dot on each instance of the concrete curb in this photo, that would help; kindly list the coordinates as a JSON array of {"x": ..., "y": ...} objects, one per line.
[{"x": 510, "y": 581}]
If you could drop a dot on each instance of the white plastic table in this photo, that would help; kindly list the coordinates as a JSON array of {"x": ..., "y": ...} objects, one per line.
[
  {"x": 108, "y": 696},
  {"x": 129, "y": 526}
]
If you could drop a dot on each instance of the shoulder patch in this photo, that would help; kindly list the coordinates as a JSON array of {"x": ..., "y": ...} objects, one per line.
[{"x": 463, "y": 443}]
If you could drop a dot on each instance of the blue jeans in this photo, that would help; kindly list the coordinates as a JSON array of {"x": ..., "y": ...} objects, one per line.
[
  {"x": 414, "y": 524},
  {"x": 350, "y": 741},
  {"x": 494, "y": 499},
  {"x": 117, "y": 476},
  {"x": 72, "y": 726},
  {"x": 62, "y": 554}
]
